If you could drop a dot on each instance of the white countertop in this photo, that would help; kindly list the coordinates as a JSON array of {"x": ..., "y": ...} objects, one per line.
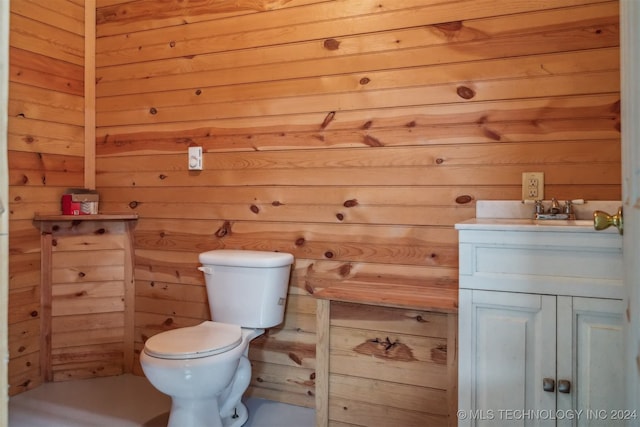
[
  {"x": 510, "y": 224},
  {"x": 513, "y": 215}
]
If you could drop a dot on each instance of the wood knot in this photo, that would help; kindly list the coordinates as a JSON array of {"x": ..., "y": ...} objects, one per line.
[
  {"x": 350, "y": 203},
  {"x": 153, "y": 111},
  {"x": 344, "y": 270},
  {"x": 365, "y": 80},
  {"x": 464, "y": 199},
  {"x": 198, "y": 92},
  {"x": 255, "y": 209},
  {"x": 439, "y": 354},
  {"x": 372, "y": 142},
  {"x": 367, "y": 124},
  {"x": 54, "y": 242},
  {"x": 386, "y": 349},
  {"x": 133, "y": 204},
  {"x": 300, "y": 241},
  {"x": 276, "y": 203},
  {"x": 81, "y": 274},
  {"x": 168, "y": 321},
  {"x": 162, "y": 176},
  {"x": 615, "y": 107},
  {"x": 491, "y": 134},
  {"x": 172, "y": 43},
  {"x": 439, "y": 161},
  {"x": 224, "y": 230},
  {"x": 465, "y": 92},
  {"x": 295, "y": 358},
  {"x": 328, "y": 119},
  {"x": 340, "y": 216},
  {"x": 100, "y": 231},
  {"x": 34, "y": 313},
  {"x": 328, "y": 254},
  {"x": 331, "y": 44},
  {"x": 449, "y": 26}
]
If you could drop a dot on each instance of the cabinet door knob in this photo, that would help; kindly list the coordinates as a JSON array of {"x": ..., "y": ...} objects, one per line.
[
  {"x": 564, "y": 386},
  {"x": 602, "y": 220},
  {"x": 549, "y": 384}
]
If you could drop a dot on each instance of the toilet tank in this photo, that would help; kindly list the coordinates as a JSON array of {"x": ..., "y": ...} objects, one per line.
[{"x": 246, "y": 288}]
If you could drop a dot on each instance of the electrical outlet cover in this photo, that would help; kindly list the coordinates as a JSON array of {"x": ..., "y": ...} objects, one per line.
[{"x": 533, "y": 186}]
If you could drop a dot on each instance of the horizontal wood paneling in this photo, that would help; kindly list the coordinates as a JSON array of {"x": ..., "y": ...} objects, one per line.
[
  {"x": 352, "y": 134},
  {"x": 45, "y": 150}
]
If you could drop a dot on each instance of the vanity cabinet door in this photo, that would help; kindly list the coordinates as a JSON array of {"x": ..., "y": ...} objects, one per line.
[
  {"x": 507, "y": 348},
  {"x": 590, "y": 355}
]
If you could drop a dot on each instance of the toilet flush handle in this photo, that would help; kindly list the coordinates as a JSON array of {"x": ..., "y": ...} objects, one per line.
[{"x": 206, "y": 270}]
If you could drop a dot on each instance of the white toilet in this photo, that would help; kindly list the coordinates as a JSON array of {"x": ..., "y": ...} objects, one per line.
[{"x": 205, "y": 368}]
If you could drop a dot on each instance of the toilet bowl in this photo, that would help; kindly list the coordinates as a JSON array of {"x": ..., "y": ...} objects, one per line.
[{"x": 205, "y": 368}]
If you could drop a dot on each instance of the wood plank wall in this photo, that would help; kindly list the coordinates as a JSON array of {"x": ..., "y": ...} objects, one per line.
[
  {"x": 45, "y": 150},
  {"x": 353, "y": 134}
]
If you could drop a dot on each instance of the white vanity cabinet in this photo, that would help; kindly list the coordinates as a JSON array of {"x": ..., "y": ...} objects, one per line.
[{"x": 540, "y": 325}]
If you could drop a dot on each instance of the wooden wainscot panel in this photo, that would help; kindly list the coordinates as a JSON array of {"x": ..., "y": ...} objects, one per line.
[
  {"x": 377, "y": 363},
  {"x": 87, "y": 295}
]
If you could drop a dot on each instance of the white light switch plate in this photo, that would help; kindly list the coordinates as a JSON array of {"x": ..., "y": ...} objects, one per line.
[{"x": 195, "y": 158}]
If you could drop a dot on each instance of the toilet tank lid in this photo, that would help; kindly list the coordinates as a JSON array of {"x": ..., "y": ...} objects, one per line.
[{"x": 242, "y": 258}]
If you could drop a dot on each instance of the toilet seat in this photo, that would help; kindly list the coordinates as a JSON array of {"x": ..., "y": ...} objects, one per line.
[{"x": 191, "y": 342}]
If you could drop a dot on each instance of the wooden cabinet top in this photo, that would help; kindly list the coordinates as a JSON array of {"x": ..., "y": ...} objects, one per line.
[{"x": 426, "y": 296}]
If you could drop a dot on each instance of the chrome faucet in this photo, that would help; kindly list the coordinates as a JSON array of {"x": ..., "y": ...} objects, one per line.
[{"x": 556, "y": 211}]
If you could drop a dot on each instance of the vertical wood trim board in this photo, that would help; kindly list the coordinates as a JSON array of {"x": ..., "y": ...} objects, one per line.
[
  {"x": 322, "y": 362},
  {"x": 90, "y": 94},
  {"x": 46, "y": 303},
  {"x": 129, "y": 297}
]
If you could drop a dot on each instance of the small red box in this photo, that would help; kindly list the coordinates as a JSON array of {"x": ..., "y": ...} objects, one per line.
[
  {"x": 80, "y": 202},
  {"x": 69, "y": 207}
]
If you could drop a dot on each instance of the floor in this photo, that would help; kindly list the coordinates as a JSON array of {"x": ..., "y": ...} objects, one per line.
[{"x": 126, "y": 401}]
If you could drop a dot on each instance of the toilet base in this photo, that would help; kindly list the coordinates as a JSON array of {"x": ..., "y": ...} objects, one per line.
[
  {"x": 238, "y": 419},
  {"x": 190, "y": 413}
]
